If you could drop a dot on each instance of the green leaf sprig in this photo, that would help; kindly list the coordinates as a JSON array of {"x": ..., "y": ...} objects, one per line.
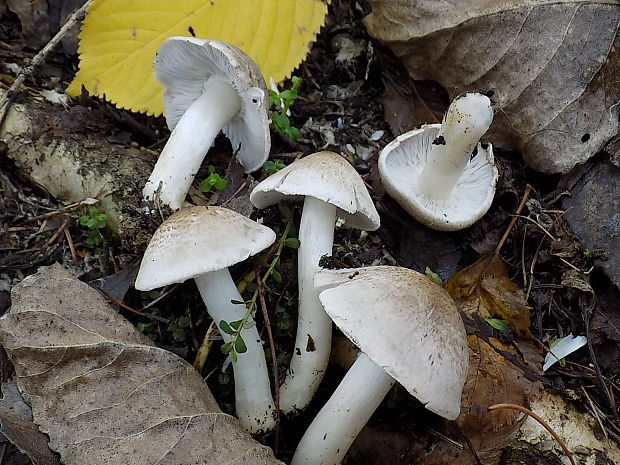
[
  {"x": 237, "y": 345},
  {"x": 281, "y": 102}
]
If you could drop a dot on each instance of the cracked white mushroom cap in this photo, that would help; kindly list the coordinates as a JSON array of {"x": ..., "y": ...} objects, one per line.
[
  {"x": 198, "y": 240},
  {"x": 404, "y": 323},
  {"x": 183, "y": 65},
  {"x": 325, "y": 176},
  {"x": 428, "y": 171}
]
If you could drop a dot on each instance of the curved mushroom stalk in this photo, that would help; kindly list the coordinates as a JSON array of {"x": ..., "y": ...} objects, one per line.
[
  {"x": 253, "y": 402},
  {"x": 336, "y": 426},
  {"x": 465, "y": 122},
  {"x": 314, "y": 327},
  {"x": 190, "y": 141}
]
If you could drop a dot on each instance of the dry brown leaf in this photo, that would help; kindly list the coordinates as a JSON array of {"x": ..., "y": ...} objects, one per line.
[
  {"x": 498, "y": 372},
  {"x": 103, "y": 393},
  {"x": 552, "y": 66},
  {"x": 484, "y": 289},
  {"x": 491, "y": 379},
  {"x": 18, "y": 427}
]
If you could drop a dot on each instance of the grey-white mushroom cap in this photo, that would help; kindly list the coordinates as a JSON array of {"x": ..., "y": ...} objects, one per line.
[
  {"x": 198, "y": 240},
  {"x": 400, "y": 164},
  {"x": 184, "y": 64},
  {"x": 404, "y": 323},
  {"x": 328, "y": 177}
]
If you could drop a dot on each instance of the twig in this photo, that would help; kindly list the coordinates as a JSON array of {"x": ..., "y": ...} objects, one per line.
[
  {"x": 132, "y": 310},
  {"x": 66, "y": 209},
  {"x": 71, "y": 246},
  {"x": 274, "y": 360},
  {"x": 586, "y": 313},
  {"x": 445, "y": 438},
  {"x": 205, "y": 348},
  {"x": 62, "y": 227},
  {"x": 158, "y": 299},
  {"x": 531, "y": 220},
  {"x": 502, "y": 241},
  {"x": 595, "y": 412},
  {"x": 7, "y": 99},
  {"x": 529, "y": 413}
]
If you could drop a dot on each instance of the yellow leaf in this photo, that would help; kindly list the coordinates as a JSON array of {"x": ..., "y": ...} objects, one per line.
[
  {"x": 119, "y": 39},
  {"x": 484, "y": 289}
]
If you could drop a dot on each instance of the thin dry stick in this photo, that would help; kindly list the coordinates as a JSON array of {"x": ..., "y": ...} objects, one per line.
[
  {"x": 511, "y": 225},
  {"x": 66, "y": 209},
  {"x": 274, "y": 360},
  {"x": 62, "y": 227},
  {"x": 528, "y": 412},
  {"x": 6, "y": 100},
  {"x": 74, "y": 257},
  {"x": 501, "y": 242},
  {"x": 132, "y": 310},
  {"x": 204, "y": 349}
]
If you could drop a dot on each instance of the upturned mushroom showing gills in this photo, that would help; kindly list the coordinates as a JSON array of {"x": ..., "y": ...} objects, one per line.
[
  {"x": 430, "y": 171},
  {"x": 408, "y": 330},
  {"x": 209, "y": 86},
  {"x": 201, "y": 243},
  {"x": 331, "y": 188}
]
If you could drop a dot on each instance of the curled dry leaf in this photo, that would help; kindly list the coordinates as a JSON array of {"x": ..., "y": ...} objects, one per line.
[
  {"x": 552, "y": 66},
  {"x": 103, "y": 393},
  {"x": 484, "y": 289}
]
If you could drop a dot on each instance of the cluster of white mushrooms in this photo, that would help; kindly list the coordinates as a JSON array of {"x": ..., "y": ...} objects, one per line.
[{"x": 407, "y": 328}]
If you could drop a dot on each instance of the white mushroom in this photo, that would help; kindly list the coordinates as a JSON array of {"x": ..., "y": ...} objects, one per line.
[
  {"x": 201, "y": 243},
  {"x": 209, "y": 86},
  {"x": 409, "y": 331},
  {"x": 331, "y": 188},
  {"x": 428, "y": 171}
]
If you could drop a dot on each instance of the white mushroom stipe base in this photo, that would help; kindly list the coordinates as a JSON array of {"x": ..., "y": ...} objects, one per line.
[
  {"x": 331, "y": 187},
  {"x": 314, "y": 327},
  {"x": 253, "y": 403},
  {"x": 201, "y": 243},
  {"x": 190, "y": 141},
  {"x": 408, "y": 330},
  {"x": 209, "y": 86},
  {"x": 333, "y": 430},
  {"x": 428, "y": 171}
]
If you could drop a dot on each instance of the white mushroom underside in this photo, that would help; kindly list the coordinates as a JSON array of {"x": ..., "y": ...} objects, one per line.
[{"x": 400, "y": 165}]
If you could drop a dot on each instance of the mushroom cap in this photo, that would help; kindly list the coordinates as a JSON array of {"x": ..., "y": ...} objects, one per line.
[
  {"x": 198, "y": 240},
  {"x": 401, "y": 163},
  {"x": 404, "y": 323},
  {"x": 325, "y": 176},
  {"x": 184, "y": 64}
]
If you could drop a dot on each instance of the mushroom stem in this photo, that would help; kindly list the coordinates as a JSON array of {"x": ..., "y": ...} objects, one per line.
[
  {"x": 466, "y": 121},
  {"x": 314, "y": 327},
  {"x": 253, "y": 402},
  {"x": 333, "y": 430},
  {"x": 190, "y": 141}
]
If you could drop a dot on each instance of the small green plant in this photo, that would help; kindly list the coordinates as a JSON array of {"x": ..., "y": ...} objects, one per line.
[
  {"x": 434, "y": 276},
  {"x": 213, "y": 181},
  {"x": 95, "y": 220},
  {"x": 273, "y": 166},
  {"x": 497, "y": 323},
  {"x": 179, "y": 326},
  {"x": 237, "y": 345},
  {"x": 281, "y": 102}
]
